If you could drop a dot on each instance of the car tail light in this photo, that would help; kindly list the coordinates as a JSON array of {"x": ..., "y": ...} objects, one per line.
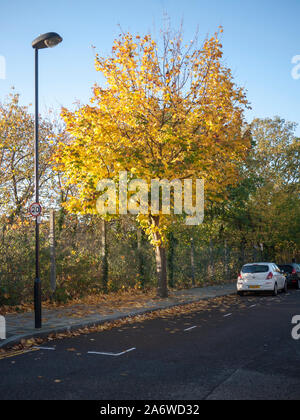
[
  {"x": 294, "y": 271},
  {"x": 270, "y": 276},
  {"x": 240, "y": 277}
]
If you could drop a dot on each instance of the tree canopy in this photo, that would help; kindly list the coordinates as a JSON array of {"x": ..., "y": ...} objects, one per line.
[{"x": 168, "y": 113}]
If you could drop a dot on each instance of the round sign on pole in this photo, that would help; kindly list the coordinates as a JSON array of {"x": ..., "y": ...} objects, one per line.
[{"x": 35, "y": 209}]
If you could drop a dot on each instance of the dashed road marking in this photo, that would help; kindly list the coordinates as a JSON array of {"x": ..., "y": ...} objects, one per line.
[
  {"x": 190, "y": 328},
  {"x": 44, "y": 348},
  {"x": 252, "y": 306},
  {"x": 111, "y": 354},
  {"x": 225, "y": 316}
]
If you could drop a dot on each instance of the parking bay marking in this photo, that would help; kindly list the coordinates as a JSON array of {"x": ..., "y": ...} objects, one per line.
[
  {"x": 190, "y": 328},
  {"x": 44, "y": 348},
  {"x": 111, "y": 354}
]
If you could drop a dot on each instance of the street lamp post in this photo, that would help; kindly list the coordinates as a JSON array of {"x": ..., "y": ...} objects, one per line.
[{"x": 48, "y": 40}]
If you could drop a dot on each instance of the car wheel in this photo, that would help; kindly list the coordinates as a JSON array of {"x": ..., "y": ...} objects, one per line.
[
  {"x": 275, "y": 292},
  {"x": 298, "y": 285},
  {"x": 285, "y": 289},
  {"x": 240, "y": 294}
]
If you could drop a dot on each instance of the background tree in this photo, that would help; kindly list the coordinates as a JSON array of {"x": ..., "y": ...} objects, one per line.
[
  {"x": 16, "y": 158},
  {"x": 275, "y": 205},
  {"x": 263, "y": 209}
]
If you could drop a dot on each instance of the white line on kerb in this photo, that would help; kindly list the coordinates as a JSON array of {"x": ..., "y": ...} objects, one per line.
[
  {"x": 111, "y": 354},
  {"x": 191, "y": 328},
  {"x": 225, "y": 316}
]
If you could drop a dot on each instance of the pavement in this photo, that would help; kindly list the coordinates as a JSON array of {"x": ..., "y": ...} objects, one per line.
[
  {"x": 227, "y": 348},
  {"x": 72, "y": 318}
]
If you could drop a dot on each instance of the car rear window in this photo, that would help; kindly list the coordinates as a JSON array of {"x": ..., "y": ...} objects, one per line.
[
  {"x": 286, "y": 268},
  {"x": 255, "y": 269}
]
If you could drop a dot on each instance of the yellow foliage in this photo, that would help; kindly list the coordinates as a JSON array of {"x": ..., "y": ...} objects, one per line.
[{"x": 179, "y": 115}]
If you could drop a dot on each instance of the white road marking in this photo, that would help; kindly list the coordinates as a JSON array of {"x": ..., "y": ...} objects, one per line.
[
  {"x": 252, "y": 306},
  {"x": 191, "y": 328},
  {"x": 225, "y": 316},
  {"x": 44, "y": 348},
  {"x": 111, "y": 354}
]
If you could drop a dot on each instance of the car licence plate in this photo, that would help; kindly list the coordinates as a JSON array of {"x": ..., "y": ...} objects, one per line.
[{"x": 254, "y": 287}]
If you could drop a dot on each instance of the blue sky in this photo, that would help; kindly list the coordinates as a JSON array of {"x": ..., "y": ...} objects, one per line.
[{"x": 260, "y": 38}]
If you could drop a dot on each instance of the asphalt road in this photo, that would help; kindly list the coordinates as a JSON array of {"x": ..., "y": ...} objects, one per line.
[{"x": 237, "y": 348}]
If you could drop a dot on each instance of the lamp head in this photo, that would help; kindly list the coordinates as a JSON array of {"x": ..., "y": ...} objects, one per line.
[{"x": 48, "y": 40}]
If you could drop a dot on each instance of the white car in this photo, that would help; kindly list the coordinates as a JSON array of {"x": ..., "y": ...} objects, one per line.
[{"x": 261, "y": 277}]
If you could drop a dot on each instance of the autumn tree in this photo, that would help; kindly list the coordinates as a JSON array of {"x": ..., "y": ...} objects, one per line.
[
  {"x": 16, "y": 157},
  {"x": 275, "y": 206},
  {"x": 167, "y": 111},
  {"x": 262, "y": 212},
  {"x": 276, "y": 151}
]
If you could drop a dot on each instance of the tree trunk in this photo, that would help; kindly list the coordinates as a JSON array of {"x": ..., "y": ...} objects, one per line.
[
  {"x": 161, "y": 263},
  {"x": 104, "y": 259},
  {"x": 193, "y": 261},
  {"x": 140, "y": 255},
  {"x": 226, "y": 260},
  {"x": 211, "y": 261},
  {"x": 161, "y": 269},
  {"x": 242, "y": 251},
  {"x": 61, "y": 215},
  {"x": 171, "y": 254}
]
